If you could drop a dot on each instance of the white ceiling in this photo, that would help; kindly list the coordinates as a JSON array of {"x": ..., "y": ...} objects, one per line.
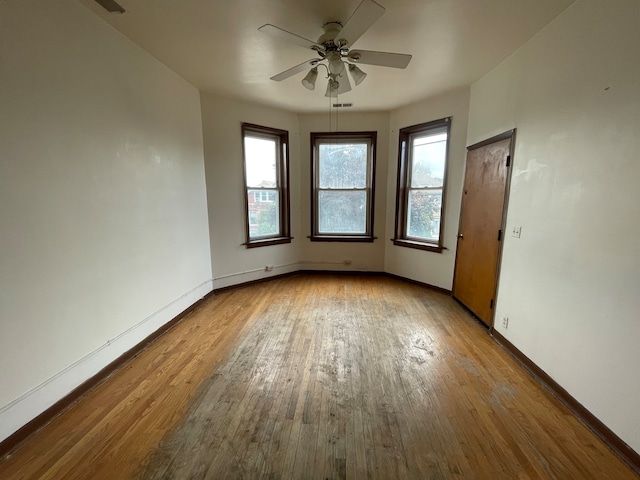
[{"x": 216, "y": 45}]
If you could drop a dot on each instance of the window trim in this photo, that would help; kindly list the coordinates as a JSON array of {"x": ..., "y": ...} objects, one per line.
[
  {"x": 402, "y": 190},
  {"x": 371, "y": 137},
  {"x": 282, "y": 186}
]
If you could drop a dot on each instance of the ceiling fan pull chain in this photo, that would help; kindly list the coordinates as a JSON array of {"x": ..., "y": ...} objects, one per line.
[
  {"x": 329, "y": 114},
  {"x": 337, "y": 103}
]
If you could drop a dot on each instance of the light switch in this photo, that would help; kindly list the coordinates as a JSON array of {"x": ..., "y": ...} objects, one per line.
[{"x": 515, "y": 232}]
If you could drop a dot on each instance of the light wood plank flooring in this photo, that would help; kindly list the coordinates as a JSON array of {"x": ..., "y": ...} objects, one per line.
[{"x": 319, "y": 377}]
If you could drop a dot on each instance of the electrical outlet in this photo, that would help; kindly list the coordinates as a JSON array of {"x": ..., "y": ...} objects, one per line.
[
  {"x": 505, "y": 322},
  {"x": 346, "y": 262},
  {"x": 268, "y": 268},
  {"x": 515, "y": 232}
]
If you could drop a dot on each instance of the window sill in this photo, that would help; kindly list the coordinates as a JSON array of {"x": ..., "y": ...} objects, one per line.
[
  {"x": 265, "y": 242},
  {"x": 429, "y": 247},
  {"x": 342, "y": 238}
]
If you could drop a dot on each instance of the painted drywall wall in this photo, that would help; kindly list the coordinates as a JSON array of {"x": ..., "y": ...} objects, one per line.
[
  {"x": 232, "y": 263},
  {"x": 569, "y": 285},
  {"x": 103, "y": 214},
  {"x": 429, "y": 267},
  {"x": 332, "y": 255}
]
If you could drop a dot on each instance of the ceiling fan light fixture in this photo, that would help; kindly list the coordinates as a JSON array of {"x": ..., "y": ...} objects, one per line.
[
  {"x": 309, "y": 81},
  {"x": 344, "y": 84},
  {"x": 357, "y": 74},
  {"x": 332, "y": 88},
  {"x": 336, "y": 65}
]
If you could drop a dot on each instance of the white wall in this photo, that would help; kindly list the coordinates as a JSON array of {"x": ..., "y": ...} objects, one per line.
[
  {"x": 429, "y": 267},
  {"x": 570, "y": 284},
  {"x": 330, "y": 255},
  {"x": 105, "y": 234},
  {"x": 103, "y": 216},
  {"x": 232, "y": 262}
]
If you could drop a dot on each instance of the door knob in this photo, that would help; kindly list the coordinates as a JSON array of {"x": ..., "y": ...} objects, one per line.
[{"x": 460, "y": 236}]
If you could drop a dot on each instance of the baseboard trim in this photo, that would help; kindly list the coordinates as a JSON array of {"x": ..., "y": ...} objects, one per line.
[
  {"x": 615, "y": 443},
  {"x": 378, "y": 274},
  {"x": 361, "y": 273},
  {"x": 13, "y": 440},
  {"x": 253, "y": 282},
  {"x": 444, "y": 291},
  {"x": 350, "y": 273}
]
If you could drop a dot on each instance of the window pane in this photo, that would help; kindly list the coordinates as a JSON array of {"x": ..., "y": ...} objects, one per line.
[
  {"x": 428, "y": 158},
  {"x": 262, "y": 195},
  {"x": 342, "y": 212},
  {"x": 263, "y": 215},
  {"x": 260, "y": 161},
  {"x": 343, "y": 165},
  {"x": 423, "y": 216}
]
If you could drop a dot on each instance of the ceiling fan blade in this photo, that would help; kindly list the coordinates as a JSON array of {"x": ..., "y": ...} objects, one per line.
[
  {"x": 367, "y": 13},
  {"x": 297, "y": 69},
  {"x": 290, "y": 37},
  {"x": 383, "y": 59}
]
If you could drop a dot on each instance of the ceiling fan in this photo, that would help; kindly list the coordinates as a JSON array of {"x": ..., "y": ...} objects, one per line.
[{"x": 334, "y": 48}]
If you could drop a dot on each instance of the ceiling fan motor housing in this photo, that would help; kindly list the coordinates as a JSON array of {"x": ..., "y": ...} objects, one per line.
[{"x": 331, "y": 31}]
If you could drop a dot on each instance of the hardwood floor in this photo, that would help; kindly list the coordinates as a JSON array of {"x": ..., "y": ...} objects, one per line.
[{"x": 319, "y": 376}]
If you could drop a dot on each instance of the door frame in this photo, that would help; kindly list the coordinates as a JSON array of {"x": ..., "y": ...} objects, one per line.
[{"x": 505, "y": 204}]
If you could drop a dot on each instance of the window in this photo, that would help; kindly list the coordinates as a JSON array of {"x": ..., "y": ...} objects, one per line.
[
  {"x": 342, "y": 179},
  {"x": 422, "y": 175},
  {"x": 263, "y": 196},
  {"x": 266, "y": 179}
]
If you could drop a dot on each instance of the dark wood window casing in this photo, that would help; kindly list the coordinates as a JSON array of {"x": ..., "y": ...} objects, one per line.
[
  {"x": 258, "y": 198},
  {"x": 402, "y": 235},
  {"x": 365, "y": 187}
]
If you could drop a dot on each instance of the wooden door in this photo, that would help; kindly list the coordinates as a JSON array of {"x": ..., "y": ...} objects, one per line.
[{"x": 481, "y": 224}]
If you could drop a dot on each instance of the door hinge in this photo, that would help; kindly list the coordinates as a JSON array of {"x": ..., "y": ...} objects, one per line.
[
  {"x": 491, "y": 304},
  {"x": 499, "y": 235},
  {"x": 508, "y": 160}
]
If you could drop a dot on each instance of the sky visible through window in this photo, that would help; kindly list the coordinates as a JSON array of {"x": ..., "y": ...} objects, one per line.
[
  {"x": 425, "y": 191},
  {"x": 260, "y": 157},
  {"x": 428, "y": 161}
]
